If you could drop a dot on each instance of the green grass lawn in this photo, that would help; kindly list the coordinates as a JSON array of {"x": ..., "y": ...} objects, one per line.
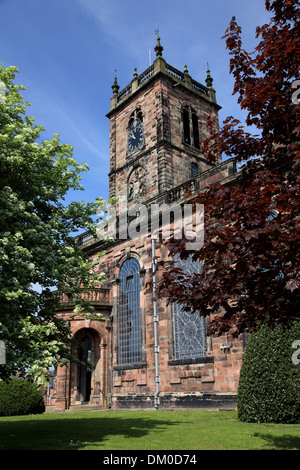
[{"x": 144, "y": 430}]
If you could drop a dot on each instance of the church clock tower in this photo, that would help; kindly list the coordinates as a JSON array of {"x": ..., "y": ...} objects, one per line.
[{"x": 157, "y": 125}]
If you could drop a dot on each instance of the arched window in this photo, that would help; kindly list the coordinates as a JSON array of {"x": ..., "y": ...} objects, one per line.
[
  {"x": 186, "y": 126},
  {"x": 189, "y": 328},
  {"x": 129, "y": 315},
  {"x": 190, "y": 127}
]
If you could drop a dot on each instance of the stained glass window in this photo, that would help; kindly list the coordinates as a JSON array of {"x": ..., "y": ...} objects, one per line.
[
  {"x": 189, "y": 328},
  {"x": 129, "y": 315}
]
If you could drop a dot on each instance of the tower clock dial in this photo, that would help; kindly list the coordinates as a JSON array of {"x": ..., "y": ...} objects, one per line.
[{"x": 136, "y": 138}]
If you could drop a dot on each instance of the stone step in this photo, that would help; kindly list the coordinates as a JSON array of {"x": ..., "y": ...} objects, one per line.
[{"x": 86, "y": 407}]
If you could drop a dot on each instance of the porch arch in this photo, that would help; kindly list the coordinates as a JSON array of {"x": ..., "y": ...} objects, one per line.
[{"x": 86, "y": 377}]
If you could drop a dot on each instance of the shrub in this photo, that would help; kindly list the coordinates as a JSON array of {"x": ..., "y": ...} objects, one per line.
[
  {"x": 20, "y": 397},
  {"x": 269, "y": 386}
]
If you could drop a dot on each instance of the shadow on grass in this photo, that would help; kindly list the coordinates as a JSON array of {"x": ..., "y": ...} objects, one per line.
[
  {"x": 285, "y": 442},
  {"x": 71, "y": 434}
]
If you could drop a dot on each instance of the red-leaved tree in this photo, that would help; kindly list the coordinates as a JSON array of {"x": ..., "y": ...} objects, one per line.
[{"x": 250, "y": 257}]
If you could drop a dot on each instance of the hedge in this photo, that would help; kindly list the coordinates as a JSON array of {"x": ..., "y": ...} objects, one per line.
[
  {"x": 20, "y": 397},
  {"x": 269, "y": 385}
]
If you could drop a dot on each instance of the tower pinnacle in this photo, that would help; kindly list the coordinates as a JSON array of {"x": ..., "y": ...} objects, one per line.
[
  {"x": 158, "y": 48},
  {"x": 115, "y": 86},
  {"x": 209, "y": 80}
]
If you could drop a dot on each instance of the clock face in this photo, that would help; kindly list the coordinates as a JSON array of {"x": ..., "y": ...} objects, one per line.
[{"x": 135, "y": 136}]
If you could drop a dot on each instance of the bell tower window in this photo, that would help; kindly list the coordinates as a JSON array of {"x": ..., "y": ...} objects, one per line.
[
  {"x": 196, "y": 140},
  {"x": 186, "y": 126},
  {"x": 190, "y": 127}
]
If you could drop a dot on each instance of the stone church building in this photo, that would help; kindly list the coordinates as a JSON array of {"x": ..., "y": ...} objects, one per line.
[{"x": 146, "y": 353}]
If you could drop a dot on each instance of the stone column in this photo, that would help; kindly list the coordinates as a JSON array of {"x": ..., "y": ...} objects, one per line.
[{"x": 62, "y": 401}]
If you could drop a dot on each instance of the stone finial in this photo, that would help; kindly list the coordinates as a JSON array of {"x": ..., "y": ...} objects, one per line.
[
  {"x": 209, "y": 80},
  {"x": 135, "y": 74},
  {"x": 115, "y": 86},
  {"x": 158, "y": 48},
  {"x": 187, "y": 77}
]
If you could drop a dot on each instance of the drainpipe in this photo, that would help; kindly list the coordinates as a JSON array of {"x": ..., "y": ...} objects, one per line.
[
  {"x": 111, "y": 318},
  {"x": 155, "y": 321}
]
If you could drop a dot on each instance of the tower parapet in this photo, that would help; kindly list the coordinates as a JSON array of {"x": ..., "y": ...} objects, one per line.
[{"x": 160, "y": 66}]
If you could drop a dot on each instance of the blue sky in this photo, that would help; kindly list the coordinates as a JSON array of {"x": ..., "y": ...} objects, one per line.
[{"x": 67, "y": 51}]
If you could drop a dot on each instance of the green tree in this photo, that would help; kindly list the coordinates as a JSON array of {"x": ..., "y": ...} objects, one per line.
[{"x": 39, "y": 257}]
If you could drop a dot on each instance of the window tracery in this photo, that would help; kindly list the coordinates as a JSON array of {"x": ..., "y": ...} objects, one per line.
[
  {"x": 129, "y": 315},
  {"x": 189, "y": 328},
  {"x": 190, "y": 121}
]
